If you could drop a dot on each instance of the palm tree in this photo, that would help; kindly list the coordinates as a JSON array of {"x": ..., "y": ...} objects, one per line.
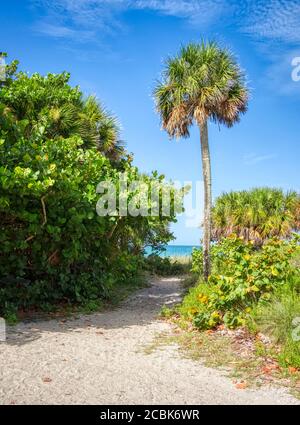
[
  {"x": 204, "y": 82},
  {"x": 50, "y": 103},
  {"x": 256, "y": 215},
  {"x": 99, "y": 128},
  {"x": 96, "y": 126}
]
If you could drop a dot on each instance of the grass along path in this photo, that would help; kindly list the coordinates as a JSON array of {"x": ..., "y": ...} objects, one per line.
[{"x": 102, "y": 359}]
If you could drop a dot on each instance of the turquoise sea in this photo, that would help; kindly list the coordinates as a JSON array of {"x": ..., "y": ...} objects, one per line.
[{"x": 177, "y": 250}]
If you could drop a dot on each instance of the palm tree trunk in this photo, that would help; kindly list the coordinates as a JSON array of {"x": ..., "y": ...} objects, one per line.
[{"x": 206, "y": 167}]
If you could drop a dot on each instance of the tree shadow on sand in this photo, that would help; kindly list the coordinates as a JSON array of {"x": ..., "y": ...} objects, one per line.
[{"x": 140, "y": 309}]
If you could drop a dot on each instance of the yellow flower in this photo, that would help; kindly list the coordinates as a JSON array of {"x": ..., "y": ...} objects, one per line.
[
  {"x": 229, "y": 279},
  {"x": 203, "y": 298},
  {"x": 254, "y": 288}
]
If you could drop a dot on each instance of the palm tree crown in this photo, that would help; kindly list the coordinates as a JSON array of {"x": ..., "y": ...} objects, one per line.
[{"x": 203, "y": 82}]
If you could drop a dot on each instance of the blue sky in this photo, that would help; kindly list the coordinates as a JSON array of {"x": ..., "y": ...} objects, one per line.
[{"x": 116, "y": 48}]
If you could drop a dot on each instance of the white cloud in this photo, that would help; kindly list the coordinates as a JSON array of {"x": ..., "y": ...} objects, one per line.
[
  {"x": 69, "y": 17},
  {"x": 269, "y": 20},
  {"x": 63, "y": 32},
  {"x": 274, "y": 23},
  {"x": 274, "y": 19},
  {"x": 253, "y": 159},
  {"x": 196, "y": 11}
]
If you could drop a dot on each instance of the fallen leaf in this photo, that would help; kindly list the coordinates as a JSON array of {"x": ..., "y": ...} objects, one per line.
[
  {"x": 293, "y": 370},
  {"x": 269, "y": 369},
  {"x": 241, "y": 386}
]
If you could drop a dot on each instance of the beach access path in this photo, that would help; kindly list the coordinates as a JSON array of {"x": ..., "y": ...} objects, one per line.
[{"x": 101, "y": 359}]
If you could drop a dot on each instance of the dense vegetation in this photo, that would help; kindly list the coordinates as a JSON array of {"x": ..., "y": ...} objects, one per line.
[
  {"x": 56, "y": 146},
  {"x": 254, "y": 285},
  {"x": 256, "y": 215},
  {"x": 165, "y": 266},
  {"x": 241, "y": 276}
]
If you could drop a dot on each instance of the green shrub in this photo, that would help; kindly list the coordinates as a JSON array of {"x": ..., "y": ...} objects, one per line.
[
  {"x": 216, "y": 260},
  {"x": 279, "y": 318},
  {"x": 197, "y": 261},
  {"x": 242, "y": 275},
  {"x": 165, "y": 266},
  {"x": 54, "y": 248},
  {"x": 257, "y": 214}
]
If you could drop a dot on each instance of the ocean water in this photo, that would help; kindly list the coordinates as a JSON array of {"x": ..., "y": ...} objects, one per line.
[{"x": 176, "y": 250}]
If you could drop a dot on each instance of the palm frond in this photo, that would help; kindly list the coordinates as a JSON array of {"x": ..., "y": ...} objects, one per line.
[
  {"x": 257, "y": 214},
  {"x": 202, "y": 82}
]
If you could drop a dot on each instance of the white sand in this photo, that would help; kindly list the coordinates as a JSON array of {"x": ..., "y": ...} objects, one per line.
[{"x": 100, "y": 359}]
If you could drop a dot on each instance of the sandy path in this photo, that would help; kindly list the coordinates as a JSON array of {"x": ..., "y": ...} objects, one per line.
[{"x": 99, "y": 359}]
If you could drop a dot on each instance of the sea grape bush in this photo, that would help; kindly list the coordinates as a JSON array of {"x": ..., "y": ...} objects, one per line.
[
  {"x": 242, "y": 276},
  {"x": 54, "y": 248}
]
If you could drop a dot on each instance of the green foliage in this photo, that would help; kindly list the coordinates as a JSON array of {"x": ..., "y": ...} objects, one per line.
[
  {"x": 242, "y": 275},
  {"x": 279, "y": 318},
  {"x": 49, "y": 105},
  {"x": 54, "y": 247},
  {"x": 166, "y": 312},
  {"x": 197, "y": 261},
  {"x": 165, "y": 266},
  {"x": 256, "y": 215}
]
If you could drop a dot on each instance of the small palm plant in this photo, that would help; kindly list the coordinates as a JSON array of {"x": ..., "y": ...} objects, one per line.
[
  {"x": 256, "y": 215},
  {"x": 204, "y": 82},
  {"x": 49, "y": 103},
  {"x": 97, "y": 127}
]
